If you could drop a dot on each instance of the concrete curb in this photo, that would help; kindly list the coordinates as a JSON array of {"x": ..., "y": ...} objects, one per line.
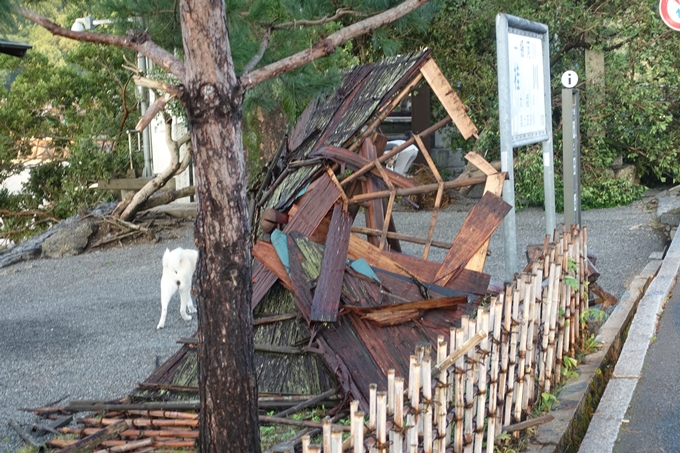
[
  {"x": 578, "y": 398},
  {"x": 605, "y": 425}
]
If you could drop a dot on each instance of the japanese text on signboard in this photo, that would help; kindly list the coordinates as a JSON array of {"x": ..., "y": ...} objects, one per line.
[{"x": 527, "y": 102}]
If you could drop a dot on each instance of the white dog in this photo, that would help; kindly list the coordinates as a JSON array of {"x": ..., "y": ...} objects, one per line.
[{"x": 178, "y": 269}]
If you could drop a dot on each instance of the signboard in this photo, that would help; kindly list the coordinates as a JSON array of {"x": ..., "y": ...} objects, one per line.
[
  {"x": 670, "y": 13},
  {"x": 524, "y": 113},
  {"x": 527, "y": 91}
]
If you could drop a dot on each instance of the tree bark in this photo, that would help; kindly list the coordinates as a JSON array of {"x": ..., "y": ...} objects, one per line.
[{"x": 213, "y": 98}]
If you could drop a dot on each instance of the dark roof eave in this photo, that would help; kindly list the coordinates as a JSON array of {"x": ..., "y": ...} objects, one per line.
[{"x": 15, "y": 49}]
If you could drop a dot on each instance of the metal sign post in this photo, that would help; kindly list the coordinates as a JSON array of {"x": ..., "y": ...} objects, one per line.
[
  {"x": 524, "y": 113},
  {"x": 571, "y": 141}
]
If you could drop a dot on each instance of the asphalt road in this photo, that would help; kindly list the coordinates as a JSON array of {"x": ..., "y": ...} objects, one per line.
[
  {"x": 84, "y": 327},
  {"x": 651, "y": 423}
]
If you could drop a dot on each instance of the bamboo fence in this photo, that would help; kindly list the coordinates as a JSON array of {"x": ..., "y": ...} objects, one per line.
[{"x": 489, "y": 375}]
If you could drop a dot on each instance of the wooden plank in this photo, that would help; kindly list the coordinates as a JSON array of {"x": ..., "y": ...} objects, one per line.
[
  {"x": 327, "y": 294},
  {"x": 299, "y": 279},
  {"x": 481, "y": 163},
  {"x": 375, "y": 214},
  {"x": 263, "y": 279},
  {"x": 426, "y": 304},
  {"x": 449, "y": 99},
  {"x": 264, "y": 252},
  {"x": 358, "y": 248},
  {"x": 467, "y": 281},
  {"x": 478, "y": 226},
  {"x": 310, "y": 212},
  {"x": 494, "y": 184}
]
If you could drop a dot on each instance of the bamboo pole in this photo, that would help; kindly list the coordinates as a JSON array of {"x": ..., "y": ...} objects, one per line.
[
  {"x": 336, "y": 442},
  {"x": 546, "y": 309},
  {"x": 164, "y": 414},
  {"x": 353, "y": 408},
  {"x": 482, "y": 353},
  {"x": 396, "y": 433},
  {"x": 497, "y": 307},
  {"x": 326, "y": 429},
  {"x": 381, "y": 431},
  {"x": 552, "y": 325},
  {"x": 459, "y": 405},
  {"x": 306, "y": 440},
  {"x": 505, "y": 355},
  {"x": 469, "y": 391},
  {"x": 534, "y": 309},
  {"x": 390, "y": 391},
  {"x": 88, "y": 443},
  {"x": 512, "y": 357},
  {"x": 523, "y": 335},
  {"x": 426, "y": 407},
  {"x": 358, "y": 421},
  {"x": 372, "y": 409},
  {"x": 441, "y": 400},
  {"x": 461, "y": 351}
]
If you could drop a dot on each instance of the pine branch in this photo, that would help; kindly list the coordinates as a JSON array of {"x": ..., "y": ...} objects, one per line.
[
  {"x": 134, "y": 40},
  {"x": 324, "y": 20},
  {"x": 154, "y": 84},
  {"x": 260, "y": 53},
  {"x": 327, "y": 46}
]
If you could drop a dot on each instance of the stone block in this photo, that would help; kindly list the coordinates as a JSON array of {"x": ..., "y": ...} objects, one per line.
[{"x": 70, "y": 240}]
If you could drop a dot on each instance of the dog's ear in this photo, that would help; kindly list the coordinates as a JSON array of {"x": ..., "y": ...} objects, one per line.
[{"x": 166, "y": 257}]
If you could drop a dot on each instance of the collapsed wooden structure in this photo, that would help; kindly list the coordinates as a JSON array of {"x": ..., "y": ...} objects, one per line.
[
  {"x": 339, "y": 307},
  {"x": 337, "y": 304}
]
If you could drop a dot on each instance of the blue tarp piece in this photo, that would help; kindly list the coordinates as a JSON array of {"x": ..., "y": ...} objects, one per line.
[
  {"x": 280, "y": 243},
  {"x": 362, "y": 267}
]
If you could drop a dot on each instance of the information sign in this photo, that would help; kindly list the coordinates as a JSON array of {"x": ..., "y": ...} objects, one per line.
[{"x": 527, "y": 94}]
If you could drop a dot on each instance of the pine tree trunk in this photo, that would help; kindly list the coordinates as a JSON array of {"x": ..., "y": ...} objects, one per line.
[{"x": 213, "y": 98}]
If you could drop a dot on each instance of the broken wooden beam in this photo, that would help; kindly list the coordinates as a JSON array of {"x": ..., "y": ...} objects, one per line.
[
  {"x": 449, "y": 99},
  {"x": 24, "y": 434},
  {"x": 416, "y": 190},
  {"x": 394, "y": 151},
  {"x": 402, "y": 237},
  {"x": 478, "y": 226},
  {"x": 355, "y": 161},
  {"x": 307, "y": 403}
]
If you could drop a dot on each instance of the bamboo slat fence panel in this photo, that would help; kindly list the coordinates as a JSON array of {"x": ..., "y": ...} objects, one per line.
[{"x": 461, "y": 402}]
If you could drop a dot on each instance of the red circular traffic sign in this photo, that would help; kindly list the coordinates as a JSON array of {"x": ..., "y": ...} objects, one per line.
[{"x": 670, "y": 13}]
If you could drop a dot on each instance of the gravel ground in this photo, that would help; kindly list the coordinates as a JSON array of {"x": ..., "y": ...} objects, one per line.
[{"x": 84, "y": 327}]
